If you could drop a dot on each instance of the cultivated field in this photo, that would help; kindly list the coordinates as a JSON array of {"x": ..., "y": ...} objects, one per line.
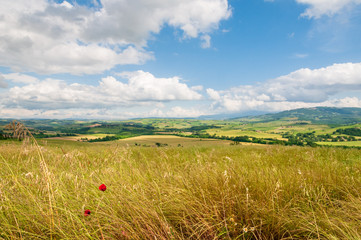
[
  {"x": 347, "y": 144},
  {"x": 191, "y": 192},
  {"x": 80, "y": 137},
  {"x": 175, "y": 141},
  {"x": 144, "y": 141},
  {"x": 235, "y": 133}
]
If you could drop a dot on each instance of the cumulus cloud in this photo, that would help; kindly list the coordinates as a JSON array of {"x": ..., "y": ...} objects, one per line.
[
  {"x": 122, "y": 96},
  {"x": 302, "y": 88},
  {"x": 45, "y": 37},
  {"x": 139, "y": 18},
  {"x": 141, "y": 88},
  {"x": 318, "y": 8}
]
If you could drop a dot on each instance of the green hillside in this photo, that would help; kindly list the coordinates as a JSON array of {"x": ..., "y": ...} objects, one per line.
[{"x": 319, "y": 115}]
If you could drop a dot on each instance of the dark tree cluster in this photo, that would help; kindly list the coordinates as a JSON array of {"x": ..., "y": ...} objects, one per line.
[{"x": 349, "y": 131}]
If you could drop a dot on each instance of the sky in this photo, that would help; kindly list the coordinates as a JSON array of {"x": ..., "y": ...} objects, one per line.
[{"x": 119, "y": 59}]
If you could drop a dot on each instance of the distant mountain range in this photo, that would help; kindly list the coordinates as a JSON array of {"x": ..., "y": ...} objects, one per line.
[
  {"x": 319, "y": 115},
  {"x": 227, "y": 116}
]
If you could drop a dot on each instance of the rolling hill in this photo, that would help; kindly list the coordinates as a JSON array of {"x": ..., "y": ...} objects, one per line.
[{"x": 317, "y": 115}]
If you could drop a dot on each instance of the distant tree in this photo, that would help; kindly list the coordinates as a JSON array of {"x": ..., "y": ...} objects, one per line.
[
  {"x": 349, "y": 131},
  {"x": 2, "y": 135},
  {"x": 161, "y": 144}
]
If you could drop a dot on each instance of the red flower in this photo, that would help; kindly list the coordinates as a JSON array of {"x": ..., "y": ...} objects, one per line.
[
  {"x": 102, "y": 187},
  {"x": 87, "y": 212}
]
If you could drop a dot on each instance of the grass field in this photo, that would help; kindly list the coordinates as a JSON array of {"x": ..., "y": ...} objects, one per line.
[
  {"x": 193, "y": 192},
  {"x": 319, "y": 129},
  {"x": 175, "y": 123},
  {"x": 151, "y": 140},
  {"x": 235, "y": 133},
  {"x": 82, "y": 136},
  {"x": 148, "y": 140},
  {"x": 348, "y": 144}
]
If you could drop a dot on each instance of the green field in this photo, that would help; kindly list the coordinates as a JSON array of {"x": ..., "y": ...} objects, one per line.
[
  {"x": 234, "y": 133},
  {"x": 203, "y": 190},
  {"x": 347, "y": 144}
]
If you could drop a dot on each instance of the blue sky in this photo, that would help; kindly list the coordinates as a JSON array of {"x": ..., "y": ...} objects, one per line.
[{"x": 110, "y": 59}]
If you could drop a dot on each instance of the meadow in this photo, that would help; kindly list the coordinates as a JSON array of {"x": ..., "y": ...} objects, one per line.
[
  {"x": 341, "y": 144},
  {"x": 211, "y": 191}
]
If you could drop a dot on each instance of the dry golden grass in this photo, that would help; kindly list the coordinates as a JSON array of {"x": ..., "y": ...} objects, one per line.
[{"x": 194, "y": 192}]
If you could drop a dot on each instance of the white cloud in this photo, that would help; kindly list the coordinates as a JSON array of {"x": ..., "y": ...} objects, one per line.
[
  {"x": 3, "y": 83},
  {"x": 45, "y": 37},
  {"x": 302, "y": 88},
  {"x": 141, "y": 94},
  {"x": 66, "y": 4},
  {"x": 20, "y": 78},
  {"x": 125, "y": 95},
  {"x": 139, "y": 18},
  {"x": 142, "y": 88},
  {"x": 318, "y": 8},
  {"x": 316, "y": 85},
  {"x": 206, "y": 41}
]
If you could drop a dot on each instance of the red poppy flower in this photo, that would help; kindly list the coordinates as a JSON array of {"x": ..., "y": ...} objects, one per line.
[
  {"x": 87, "y": 212},
  {"x": 102, "y": 187}
]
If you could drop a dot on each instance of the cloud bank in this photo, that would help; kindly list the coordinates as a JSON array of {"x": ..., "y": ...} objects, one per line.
[
  {"x": 45, "y": 37},
  {"x": 302, "y": 88},
  {"x": 141, "y": 94},
  {"x": 123, "y": 96},
  {"x": 141, "y": 88}
]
